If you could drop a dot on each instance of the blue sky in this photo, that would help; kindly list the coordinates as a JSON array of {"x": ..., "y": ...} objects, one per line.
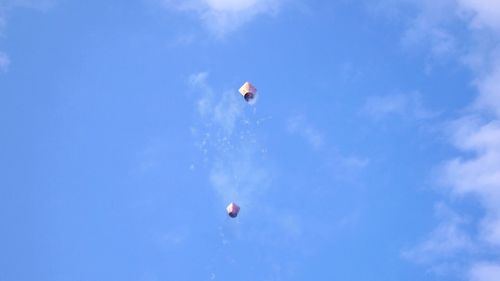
[{"x": 372, "y": 153}]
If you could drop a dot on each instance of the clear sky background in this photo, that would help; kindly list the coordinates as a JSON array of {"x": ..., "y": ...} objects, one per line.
[{"x": 372, "y": 153}]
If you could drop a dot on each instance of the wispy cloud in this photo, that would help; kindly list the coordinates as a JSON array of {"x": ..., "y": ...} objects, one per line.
[
  {"x": 221, "y": 110},
  {"x": 402, "y": 105},
  {"x": 299, "y": 125},
  {"x": 344, "y": 167},
  {"x": 225, "y": 16},
  {"x": 429, "y": 29},
  {"x": 475, "y": 171},
  {"x": 355, "y": 162},
  {"x": 174, "y": 237},
  {"x": 32, "y": 4},
  {"x": 423, "y": 33},
  {"x": 5, "y": 7},
  {"x": 239, "y": 170},
  {"x": 489, "y": 88},
  {"x": 447, "y": 240},
  {"x": 230, "y": 147},
  {"x": 434, "y": 28},
  {"x": 240, "y": 178},
  {"x": 484, "y": 272},
  {"x": 485, "y": 13},
  {"x": 478, "y": 175},
  {"x": 4, "y": 62}
]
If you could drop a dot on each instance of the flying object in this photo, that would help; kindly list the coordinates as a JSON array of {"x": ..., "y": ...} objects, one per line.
[
  {"x": 248, "y": 91},
  {"x": 233, "y": 209}
]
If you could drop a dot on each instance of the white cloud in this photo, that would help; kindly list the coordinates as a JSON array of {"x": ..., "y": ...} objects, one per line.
[
  {"x": 478, "y": 175},
  {"x": 429, "y": 29},
  {"x": 434, "y": 27},
  {"x": 300, "y": 126},
  {"x": 484, "y": 272},
  {"x": 225, "y": 16},
  {"x": 423, "y": 33},
  {"x": 223, "y": 110},
  {"x": 489, "y": 88},
  {"x": 475, "y": 171},
  {"x": 486, "y": 13},
  {"x": 444, "y": 242},
  {"x": 231, "y": 5}
]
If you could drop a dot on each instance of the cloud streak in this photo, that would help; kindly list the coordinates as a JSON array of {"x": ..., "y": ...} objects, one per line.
[
  {"x": 225, "y": 16},
  {"x": 402, "y": 105},
  {"x": 298, "y": 125},
  {"x": 442, "y": 245}
]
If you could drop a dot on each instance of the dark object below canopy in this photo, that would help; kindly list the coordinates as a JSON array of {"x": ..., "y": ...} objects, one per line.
[{"x": 233, "y": 210}]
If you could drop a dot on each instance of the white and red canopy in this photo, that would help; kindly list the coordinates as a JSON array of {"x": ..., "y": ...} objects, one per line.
[{"x": 232, "y": 209}]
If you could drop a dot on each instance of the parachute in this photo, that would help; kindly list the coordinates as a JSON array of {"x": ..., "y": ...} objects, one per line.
[
  {"x": 249, "y": 92},
  {"x": 233, "y": 209}
]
